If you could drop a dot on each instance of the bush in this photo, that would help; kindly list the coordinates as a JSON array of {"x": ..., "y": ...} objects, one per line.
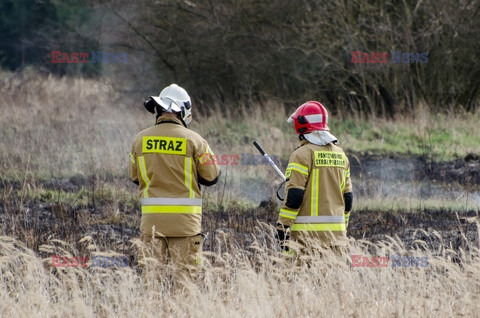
[{"x": 292, "y": 51}]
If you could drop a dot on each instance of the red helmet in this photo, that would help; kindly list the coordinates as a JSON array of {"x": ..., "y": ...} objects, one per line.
[{"x": 309, "y": 117}]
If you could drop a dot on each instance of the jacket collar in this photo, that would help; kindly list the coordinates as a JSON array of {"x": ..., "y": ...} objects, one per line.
[
  {"x": 304, "y": 142},
  {"x": 168, "y": 119}
]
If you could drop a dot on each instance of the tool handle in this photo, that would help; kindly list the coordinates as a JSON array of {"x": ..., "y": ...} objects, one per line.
[
  {"x": 259, "y": 148},
  {"x": 270, "y": 161}
]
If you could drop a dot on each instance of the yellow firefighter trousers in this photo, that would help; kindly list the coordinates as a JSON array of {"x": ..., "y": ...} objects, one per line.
[
  {"x": 308, "y": 245},
  {"x": 183, "y": 253}
]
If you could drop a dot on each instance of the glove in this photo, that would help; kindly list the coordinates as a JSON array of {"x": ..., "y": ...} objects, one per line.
[{"x": 282, "y": 235}]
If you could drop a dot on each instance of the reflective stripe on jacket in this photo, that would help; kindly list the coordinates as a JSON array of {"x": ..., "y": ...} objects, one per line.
[
  {"x": 323, "y": 172},
  {"x": 167, "y": 161}
]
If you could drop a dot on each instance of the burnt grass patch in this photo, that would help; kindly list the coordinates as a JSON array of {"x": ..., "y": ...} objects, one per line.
[
  {"x": 463, "y": 171},
  {"x": 112, "y": 226},
  {"x": 36, "y": 225}
]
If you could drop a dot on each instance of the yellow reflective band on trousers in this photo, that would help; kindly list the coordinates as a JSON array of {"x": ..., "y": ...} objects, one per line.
[
  {"x": 175, "y": 209},
  {"x": 314, "y": 197},
  {"x": 321, "y": 227},
  {"x": 188, "y": 176},
  {"x": 143, "y": 172},
  {"x": 132, "y": 158},
  {"x": 288, "y": 214}
]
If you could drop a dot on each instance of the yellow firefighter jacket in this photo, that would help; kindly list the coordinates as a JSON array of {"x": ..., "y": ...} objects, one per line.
[
  {"x": 168, "y": 161},
  {"x": 323, "y": 172}
]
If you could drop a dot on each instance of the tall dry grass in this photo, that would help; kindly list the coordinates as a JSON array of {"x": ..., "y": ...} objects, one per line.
[{"x": 258, "y": 282}]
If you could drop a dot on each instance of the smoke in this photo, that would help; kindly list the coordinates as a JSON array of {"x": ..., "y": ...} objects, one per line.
[
  {"x": 390, "y": 183},
  {"x": 412, "y": 181}
]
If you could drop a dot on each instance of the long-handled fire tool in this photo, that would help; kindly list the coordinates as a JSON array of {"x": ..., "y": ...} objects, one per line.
[
  {"x": 270, "y": 161},
  {"x": 283, "y": 234}
]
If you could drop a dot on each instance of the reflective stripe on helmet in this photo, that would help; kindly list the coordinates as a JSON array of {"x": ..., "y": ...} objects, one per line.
[
  {"x": 173, "y": 209},
  {"x": 143, "y": 172},
  {"x": 321, "y": 227},
  {"x": 318, "y": 118}
]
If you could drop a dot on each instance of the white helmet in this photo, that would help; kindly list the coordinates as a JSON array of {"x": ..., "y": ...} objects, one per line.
[{"x": 175, "y": 99}]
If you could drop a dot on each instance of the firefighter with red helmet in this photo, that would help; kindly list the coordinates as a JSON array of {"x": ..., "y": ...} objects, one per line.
[
  {"x": 169, "y": 162},
  {"x": 318, "y": 189}
]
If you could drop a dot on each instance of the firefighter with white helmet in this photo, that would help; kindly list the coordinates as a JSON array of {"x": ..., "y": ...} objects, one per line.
[
  {"x": 318, "y": 189},
  {"x": 169, "y": 162}
]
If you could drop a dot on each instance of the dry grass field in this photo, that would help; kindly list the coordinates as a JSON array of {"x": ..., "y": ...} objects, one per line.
[
  {"x": 257, "y": 282},
  {"x": 64, "y": 190}
]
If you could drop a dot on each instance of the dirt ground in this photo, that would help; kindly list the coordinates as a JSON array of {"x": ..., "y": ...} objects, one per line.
[{"x": 37, "y": 222}]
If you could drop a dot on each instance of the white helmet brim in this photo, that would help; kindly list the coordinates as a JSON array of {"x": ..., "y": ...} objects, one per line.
[{"x": 167, "y": 104}]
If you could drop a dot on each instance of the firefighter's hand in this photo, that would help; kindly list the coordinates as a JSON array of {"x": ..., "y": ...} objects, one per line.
[{"x": 282, "y": 235}]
